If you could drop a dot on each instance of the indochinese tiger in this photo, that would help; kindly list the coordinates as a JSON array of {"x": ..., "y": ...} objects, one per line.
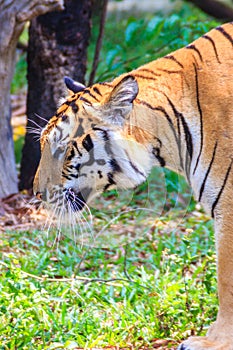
[{"x": 174, "y": 112}]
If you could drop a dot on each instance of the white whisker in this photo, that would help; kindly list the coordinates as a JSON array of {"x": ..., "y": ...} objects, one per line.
[
  {"x": 41, "y": 118},
  {"x": 36, "y": 133},
  {"x": 35, "y": 123},
  {"x": 50, "y": 218},
  {"x": 65, "y": 209},
  {"x": 33, "y": 130}
]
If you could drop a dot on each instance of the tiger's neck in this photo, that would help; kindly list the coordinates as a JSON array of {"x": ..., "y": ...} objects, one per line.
[{"x": 155, "y": 131}]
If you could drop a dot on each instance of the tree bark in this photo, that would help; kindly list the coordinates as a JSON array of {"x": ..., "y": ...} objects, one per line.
[
  {"x": 57, "y": 47},
  {"x": 13, "y": 15},
  {"x": 215, "y": 8},
  {"x": 103, "y": 9}
]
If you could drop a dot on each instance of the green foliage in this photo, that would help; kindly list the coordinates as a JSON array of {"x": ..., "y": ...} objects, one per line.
[
  {"x": 140, "y": 40},
  {"x": 19, "y": 79},
  {"x": 18, "y": 146}
]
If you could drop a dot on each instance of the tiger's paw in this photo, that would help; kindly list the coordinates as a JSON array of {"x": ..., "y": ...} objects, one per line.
[{"x": 203, "y": 343}]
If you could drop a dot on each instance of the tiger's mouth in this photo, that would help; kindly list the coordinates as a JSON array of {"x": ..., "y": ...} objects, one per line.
[{"x": 76, "y": 201}]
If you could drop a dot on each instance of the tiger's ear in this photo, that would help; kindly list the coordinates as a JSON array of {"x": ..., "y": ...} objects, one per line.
[
  {"x": 73, "y": 86},
  {"x": 120, "y": 102}
]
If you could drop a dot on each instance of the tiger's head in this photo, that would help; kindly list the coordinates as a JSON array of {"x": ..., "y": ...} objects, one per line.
[{"x": 87, "y": 147}]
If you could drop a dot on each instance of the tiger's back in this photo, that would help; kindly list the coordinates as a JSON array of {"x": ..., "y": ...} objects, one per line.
[{"x": 196, "y": 83}]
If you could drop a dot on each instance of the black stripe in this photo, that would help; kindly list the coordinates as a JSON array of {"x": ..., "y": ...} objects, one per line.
[
  {"x": 162, "y": 110},
  {"x": 110, "y": 182},
  {"x": 148, "y": 71},
  {"x": 74, "y": 176},
  {"x": 227, "y": 36},
  {"x": 177, "y": 115},
  {"x": 97, "y": 90},
  {"x": 201, "y": 117},
  {"x": 66, "y": 176},
  {"x": 189, "y": 146},
  {"x": 114, "y": 165},
  {"x": 71, "y": 156},
  {"x": 170, "y": 71},
  {"x": 193, "y": 47},
  {"x": 171, "y": 57},
  {"x": 143, "y": 77},
  {"x": 106, "y": 84},
  {"x": 188, "y": 137},
  {"x": 156, "y": 153},
  {"x": 87, "y": 91},
  {"x": 213, "y": 44},
  {"x": 135, "y": 168},
  {"x": 104, "y": 133},
  {"x": 159, "y": 141},
  {"x": 207, "y": 173},
  {"x": 99, "y": 172},
  {"x": 87, "y": 143},
  {"x": 73, "y": 105},
  {"x": 221, "y": 190},
  {"x": 77, "y": 167},
  {"x": 107, "y": 144},
  {"x": 144, "y": 103},
  {"x": 75, "y": 145},
  {"x": 70, "y": 168},
  {"x": 85, "y": 100}
]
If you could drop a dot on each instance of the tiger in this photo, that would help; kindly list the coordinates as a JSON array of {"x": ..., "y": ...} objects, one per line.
[{"x": 174, "y": 112}]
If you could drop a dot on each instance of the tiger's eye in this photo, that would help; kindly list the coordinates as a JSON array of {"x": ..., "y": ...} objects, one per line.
[{"x": 64, "y": 117}]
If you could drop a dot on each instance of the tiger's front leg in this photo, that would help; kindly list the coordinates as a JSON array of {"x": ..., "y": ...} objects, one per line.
[{"x": 220, "y": 334}]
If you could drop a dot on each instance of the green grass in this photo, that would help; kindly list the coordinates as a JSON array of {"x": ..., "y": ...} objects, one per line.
[
  {"x": 58, "y": 293},
  {"x": 171, "y": 291}
]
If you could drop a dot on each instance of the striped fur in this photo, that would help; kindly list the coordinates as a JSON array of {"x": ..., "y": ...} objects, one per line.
[{"x": 176, "y": 112}]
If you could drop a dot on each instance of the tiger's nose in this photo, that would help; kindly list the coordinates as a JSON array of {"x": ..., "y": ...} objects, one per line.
[
  {"x": 42, "y": 195},
  {"x": 39, "y": 195}
]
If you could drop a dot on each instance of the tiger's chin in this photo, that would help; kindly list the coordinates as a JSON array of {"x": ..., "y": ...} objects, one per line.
[
  {"x": 64, "y": 202},
  {"x": 75, "y": 200}
]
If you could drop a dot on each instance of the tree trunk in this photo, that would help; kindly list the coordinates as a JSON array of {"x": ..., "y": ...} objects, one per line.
[
  {"x": 215, "y": 8},
  {"x": 57, "y": 47},
  {"x": 100, "y": 9},
  {"x": 13, "y": 15}
]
